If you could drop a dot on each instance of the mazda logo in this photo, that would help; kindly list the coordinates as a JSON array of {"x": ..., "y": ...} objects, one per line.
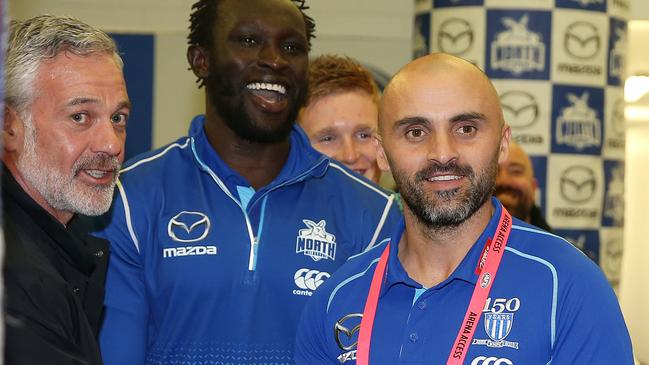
[
  {"x": 348, "y": 326},
  {"x": 582, "y": 40},
  {"x": 577, "y": 184},
  {"x": 520, "y": 108},
  {"x": 188, "y": 227},
  {"x": 455, "y": 36}
]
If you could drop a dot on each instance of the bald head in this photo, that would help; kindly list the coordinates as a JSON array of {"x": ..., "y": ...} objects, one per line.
[{"x": 440, "y": 76}]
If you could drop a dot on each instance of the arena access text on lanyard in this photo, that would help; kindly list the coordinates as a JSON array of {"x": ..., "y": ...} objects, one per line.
[{"x": 489, "y": 263}]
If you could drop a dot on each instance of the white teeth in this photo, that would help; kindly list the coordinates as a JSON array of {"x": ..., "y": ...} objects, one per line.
[
  {"x": 97, "y": 174},
  {"x": 444, "y": 178},
  {"x": 267, "y": 86}
]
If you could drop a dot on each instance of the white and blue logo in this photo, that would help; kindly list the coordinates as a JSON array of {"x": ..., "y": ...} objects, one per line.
[
  {"x": 613, "y": 212},
  {"x": 315, "y": 242},
  {"x": 617, "y": 53},
  {"x": 577, "y": 115},
  {"x": 498, "y": 326},
  {"x": 519, "y": 44}
]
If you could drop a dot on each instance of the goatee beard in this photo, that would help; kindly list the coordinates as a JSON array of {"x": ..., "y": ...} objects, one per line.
[{"x": 447, "y": 209}]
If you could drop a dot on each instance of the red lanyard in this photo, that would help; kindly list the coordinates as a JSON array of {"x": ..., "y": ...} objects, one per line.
[{"x": 492, "y": 256}]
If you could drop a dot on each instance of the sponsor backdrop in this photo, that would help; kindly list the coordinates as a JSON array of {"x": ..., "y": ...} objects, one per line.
[{"x": 559, "y": 67}]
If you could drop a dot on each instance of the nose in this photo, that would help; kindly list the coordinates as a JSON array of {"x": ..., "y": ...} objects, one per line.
[
  {"x": 348, "y": 154},
  {"x": 108, "y": 138},
  {"x": 442, "y": 148},
  {"x": 271, "y": 56}
]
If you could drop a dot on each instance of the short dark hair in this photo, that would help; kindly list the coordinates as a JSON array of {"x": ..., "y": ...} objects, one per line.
[
  {"x": 203, "y": 17},
  {"x": 331, "y": 74}
]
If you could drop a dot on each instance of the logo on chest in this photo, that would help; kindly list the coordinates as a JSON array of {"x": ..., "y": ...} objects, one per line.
[
  {"x": 498, "y": 322},
  {"x": 315, "y": 241},
  {"x": 185, "y": 228}
]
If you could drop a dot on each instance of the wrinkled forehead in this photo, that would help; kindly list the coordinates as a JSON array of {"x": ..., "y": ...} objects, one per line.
[{"x": 281, "y": 12}]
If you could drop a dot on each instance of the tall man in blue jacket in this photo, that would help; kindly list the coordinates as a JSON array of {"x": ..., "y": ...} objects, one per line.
[
  {"x": 219, "y": 238},
  {"x": 462, "y": 282}
]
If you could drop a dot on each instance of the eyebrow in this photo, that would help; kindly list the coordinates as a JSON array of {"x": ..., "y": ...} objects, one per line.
[
  {"x": 82, "y": 100},
  {"x": 410, "y": 121},
  {"x": 468, "y": 116}
]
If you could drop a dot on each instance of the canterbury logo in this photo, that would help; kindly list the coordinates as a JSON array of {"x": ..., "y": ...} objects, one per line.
[{"x": 308, "y": 279}]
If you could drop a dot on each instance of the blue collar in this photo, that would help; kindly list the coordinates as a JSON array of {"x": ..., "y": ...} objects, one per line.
[
  {"x": 396, "y": 274},
  {"x": 303, "y": 161}
]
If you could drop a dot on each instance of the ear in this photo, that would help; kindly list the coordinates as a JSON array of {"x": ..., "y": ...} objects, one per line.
[
  {"x": 504, "y": 143},
  {"x": 12, "y": 130},
  {"x": 199, "y": 61},
  {"x": 381, "y": 158}
]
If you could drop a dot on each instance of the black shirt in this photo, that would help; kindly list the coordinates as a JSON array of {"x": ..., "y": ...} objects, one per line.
[{"x": 54, "y": 284}]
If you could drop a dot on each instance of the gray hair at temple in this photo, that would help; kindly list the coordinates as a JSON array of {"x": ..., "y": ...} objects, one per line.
[{"x": 43, "y": 37}]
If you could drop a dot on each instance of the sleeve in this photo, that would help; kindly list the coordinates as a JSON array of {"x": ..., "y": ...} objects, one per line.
[
  {"x": 590, "y": 325},
  {"x": 310, "y": 342},
  {"x": 123, "y": 335}
]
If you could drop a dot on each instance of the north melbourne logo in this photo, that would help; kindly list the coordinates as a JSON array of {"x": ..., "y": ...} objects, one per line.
[
  {"x": 578, "y": 125},
  {"x": 315, "y": 241},
  {"x": 517, "y": 49},
  {"x": 617, "y": 62}
]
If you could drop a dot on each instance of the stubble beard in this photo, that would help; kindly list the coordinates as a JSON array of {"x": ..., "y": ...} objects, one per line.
[
  {"x": 447, "y": 209},
  {"x": 61, "y": 189}
]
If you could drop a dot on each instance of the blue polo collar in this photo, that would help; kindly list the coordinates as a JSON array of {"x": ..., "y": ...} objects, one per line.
[
  {"x": 396, "y": 274},
  {"x": 303, "y": 161}
]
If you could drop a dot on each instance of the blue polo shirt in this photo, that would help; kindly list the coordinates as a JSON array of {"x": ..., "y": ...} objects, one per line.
[
  {"x": 206, "y": 270},
  {"x": 549, "y": 304}
]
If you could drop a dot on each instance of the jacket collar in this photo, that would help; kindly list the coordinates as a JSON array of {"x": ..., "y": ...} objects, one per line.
[{"x": 303, "y": 160}]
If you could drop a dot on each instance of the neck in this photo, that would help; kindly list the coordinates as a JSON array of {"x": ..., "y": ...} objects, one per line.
[
  {"x": 63, "y": 217},
  {"x": 258, "y": 163},
  {"x": 430, "y": 256}
]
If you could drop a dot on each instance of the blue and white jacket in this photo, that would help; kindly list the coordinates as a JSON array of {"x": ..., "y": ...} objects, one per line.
[
  {"x": 549, "y": 304},
  {"x": 205, "y": 270}
]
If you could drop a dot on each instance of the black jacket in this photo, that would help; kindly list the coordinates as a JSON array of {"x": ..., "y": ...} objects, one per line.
[{"x": 54, "y": 284}]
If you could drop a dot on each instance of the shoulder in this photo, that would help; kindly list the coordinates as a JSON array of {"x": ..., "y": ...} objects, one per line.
[
  {"x": 553, "y": 254},
  {"x": 351, "y": 281},
  {"x": 156, "y": 160},
  {"x": 353, "y": 183}
]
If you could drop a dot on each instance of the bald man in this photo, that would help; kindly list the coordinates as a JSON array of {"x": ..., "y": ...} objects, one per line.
[
  {"x": 516, "y": 187},
  {"x": 462, "y": 282}
]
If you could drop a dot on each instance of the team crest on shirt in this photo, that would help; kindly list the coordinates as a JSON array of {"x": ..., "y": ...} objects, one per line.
[
  {"x": 315, "y": 241},
  {"x": 497, "y": 326}
]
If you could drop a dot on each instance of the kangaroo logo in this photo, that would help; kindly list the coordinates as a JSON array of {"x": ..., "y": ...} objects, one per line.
[
  {"x": 518, "y": 49},
  {"x": 578, "y": 125},
  {"x": 315, "y": 241}
]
